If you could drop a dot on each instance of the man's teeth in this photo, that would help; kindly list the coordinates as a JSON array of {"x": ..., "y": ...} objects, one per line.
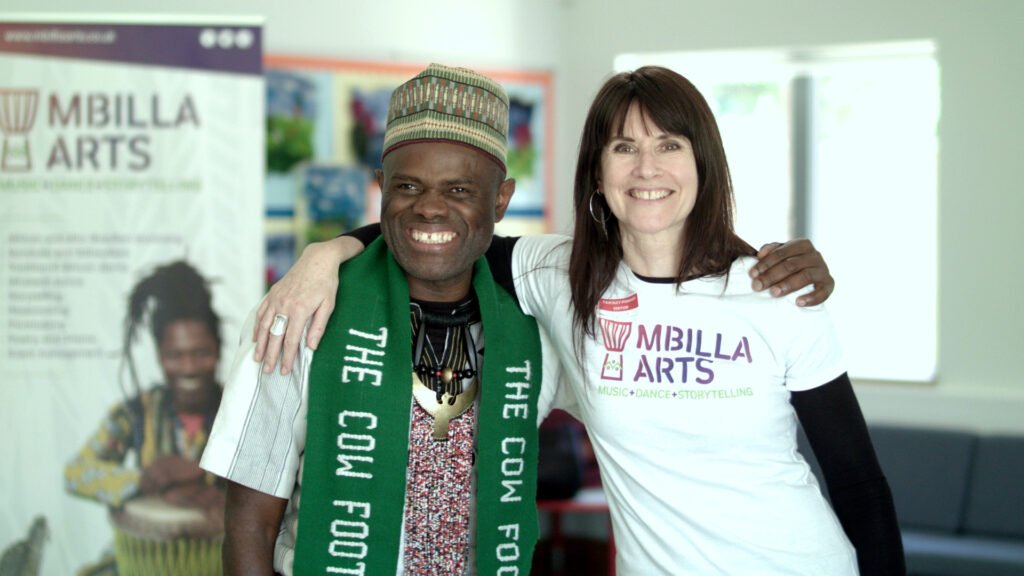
[
  {"x": 189, "y": 384},
  {"x": 433, "y": 237},
  {"x": 650, "y": 194}
]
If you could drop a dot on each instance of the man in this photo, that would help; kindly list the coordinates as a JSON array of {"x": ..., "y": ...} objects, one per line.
[
  {"x": 386, "y": 489},
  {"x": 148, "y": 447}
]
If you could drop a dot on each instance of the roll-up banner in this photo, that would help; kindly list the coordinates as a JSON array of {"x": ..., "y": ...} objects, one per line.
[{"x": 131, "y": 213}]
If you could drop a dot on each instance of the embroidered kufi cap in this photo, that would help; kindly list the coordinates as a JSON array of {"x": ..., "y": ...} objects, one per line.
[{"x": 445, "y": 104}]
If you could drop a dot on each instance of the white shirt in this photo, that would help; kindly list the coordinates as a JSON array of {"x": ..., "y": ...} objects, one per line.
[
  {"x": 259, "y": 435},
  {"x": 685, "y": 396}
]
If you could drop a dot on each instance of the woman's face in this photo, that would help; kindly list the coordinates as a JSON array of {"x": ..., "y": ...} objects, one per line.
[
  {"x": 188, "y": 356},
  {"x": 649, "y": 179}
]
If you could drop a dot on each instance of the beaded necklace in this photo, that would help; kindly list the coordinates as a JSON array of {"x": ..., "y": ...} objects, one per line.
[{"x": 438, "y": 382}]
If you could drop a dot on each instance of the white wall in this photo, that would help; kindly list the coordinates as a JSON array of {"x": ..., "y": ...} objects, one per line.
[{"x": 981, "y": 55}]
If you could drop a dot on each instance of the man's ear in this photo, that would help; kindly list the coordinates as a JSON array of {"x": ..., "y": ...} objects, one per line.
[
  {"x": 379, "y": 174},
  {"x": 505, "y": 191}
]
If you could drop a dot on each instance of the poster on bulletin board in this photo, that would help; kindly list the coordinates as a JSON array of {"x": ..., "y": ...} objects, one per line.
[
  {"x": 131, "y": 213},
  {"x": 325, "y": 129}
]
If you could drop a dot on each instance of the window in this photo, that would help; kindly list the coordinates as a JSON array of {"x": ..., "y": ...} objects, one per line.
[{"x": 839, "y": 144}]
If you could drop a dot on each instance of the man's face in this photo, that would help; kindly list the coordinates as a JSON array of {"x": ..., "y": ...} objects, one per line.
[
  {"x": 188, "y": 356},
  {"x": 440, "y": 203}
]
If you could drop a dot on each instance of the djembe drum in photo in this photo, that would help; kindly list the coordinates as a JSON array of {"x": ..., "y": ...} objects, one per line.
[{"x": 154, "y": 538}]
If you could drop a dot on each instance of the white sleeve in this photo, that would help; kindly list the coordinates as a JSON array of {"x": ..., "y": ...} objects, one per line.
[
  {"x": 260, "y": 430},
  {"x": 540, "y": 269},
  {"x": 555, "y": 392},
  {"x": 815, "y": 356}
]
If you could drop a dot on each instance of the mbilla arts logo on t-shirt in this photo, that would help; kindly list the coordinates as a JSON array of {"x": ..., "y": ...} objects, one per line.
[
  {"x": 615, "y": 334},
  {"x": 657, "y": 359}
]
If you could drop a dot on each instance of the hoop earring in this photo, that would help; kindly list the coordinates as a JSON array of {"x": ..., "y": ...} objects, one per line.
[{"x": 603, "y": 220}]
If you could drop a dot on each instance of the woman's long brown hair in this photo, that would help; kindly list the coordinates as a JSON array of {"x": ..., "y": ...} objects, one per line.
[{"x": 672, "y": 104}]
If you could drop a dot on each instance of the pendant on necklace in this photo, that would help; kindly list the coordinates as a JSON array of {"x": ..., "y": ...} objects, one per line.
[{"x": 443, "y": 407}]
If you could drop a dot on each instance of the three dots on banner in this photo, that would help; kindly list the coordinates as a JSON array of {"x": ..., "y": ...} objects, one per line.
[{"x": 226, "y": 38}]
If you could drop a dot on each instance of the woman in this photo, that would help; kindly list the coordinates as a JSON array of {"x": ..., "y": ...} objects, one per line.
[
  {"x": 150, "y": 445},
  {"x": 687, "y": 380}
]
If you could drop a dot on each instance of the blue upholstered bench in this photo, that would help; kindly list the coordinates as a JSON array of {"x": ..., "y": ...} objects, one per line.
[{"x": 959, "y": 497}]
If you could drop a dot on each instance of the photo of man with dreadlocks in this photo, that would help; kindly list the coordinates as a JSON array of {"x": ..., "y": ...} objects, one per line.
[{"x": 143, "y": 461}]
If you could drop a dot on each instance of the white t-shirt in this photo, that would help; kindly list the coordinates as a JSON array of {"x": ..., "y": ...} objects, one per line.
[
  {"x": 685, "y": 395},
  {"x": 259, "y": 435}
]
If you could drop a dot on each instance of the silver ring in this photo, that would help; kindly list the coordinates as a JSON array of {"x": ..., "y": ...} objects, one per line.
[{"x": 277, "y": 328}]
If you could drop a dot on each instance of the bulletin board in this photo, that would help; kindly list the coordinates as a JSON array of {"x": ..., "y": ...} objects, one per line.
[{"x": 325, "y": 121}]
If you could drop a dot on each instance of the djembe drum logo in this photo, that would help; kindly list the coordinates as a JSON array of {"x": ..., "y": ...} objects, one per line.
[
  {"x": 17, "y": 115},
  {"x": 615, "y": 335}
]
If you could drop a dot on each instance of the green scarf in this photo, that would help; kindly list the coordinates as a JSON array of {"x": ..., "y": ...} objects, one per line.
[{"x": 357, "y": 428}]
